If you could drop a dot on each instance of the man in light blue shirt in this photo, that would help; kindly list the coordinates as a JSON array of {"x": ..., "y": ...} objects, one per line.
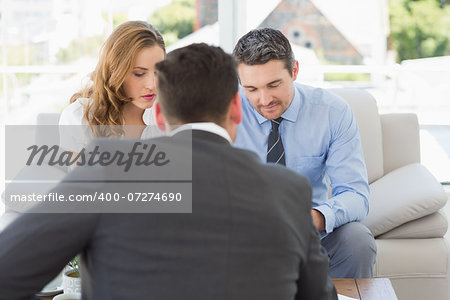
[{"x": 313, "y": 132}]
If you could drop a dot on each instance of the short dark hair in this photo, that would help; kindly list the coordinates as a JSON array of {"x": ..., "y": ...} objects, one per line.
[
  {"x": 196, "y": 84},
  {"x": 259, "y": 46}
]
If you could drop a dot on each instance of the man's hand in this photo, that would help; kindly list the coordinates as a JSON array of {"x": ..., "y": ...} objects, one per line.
[{"x": 318, "y": 219}]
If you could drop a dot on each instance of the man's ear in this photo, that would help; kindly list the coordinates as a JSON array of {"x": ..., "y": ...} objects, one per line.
[
  {"x": 295, "y": 70},
  {"x": 236, "y": 109},
  {"x": 160, "y": 121}
]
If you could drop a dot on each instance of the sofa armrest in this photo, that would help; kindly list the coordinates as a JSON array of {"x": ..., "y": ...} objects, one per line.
[
  {"x": 406, "y": 194},
  {"x": 401, "y": 142}
]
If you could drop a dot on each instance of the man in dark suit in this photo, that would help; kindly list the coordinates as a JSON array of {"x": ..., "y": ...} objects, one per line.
[{"x": 250, "y": 234}]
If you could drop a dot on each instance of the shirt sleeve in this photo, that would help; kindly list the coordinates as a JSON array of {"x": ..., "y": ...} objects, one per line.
[{"x": 347, "y": 172}]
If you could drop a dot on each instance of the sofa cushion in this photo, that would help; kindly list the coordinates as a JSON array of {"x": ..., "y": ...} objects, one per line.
[
  {"x": 401, "y": 142},
  {"x": 47, "y": 130},
  {"x": 403, "y": 195},
  {"x": 431, "y": 226},
  {"x": 365, "y": 110}
]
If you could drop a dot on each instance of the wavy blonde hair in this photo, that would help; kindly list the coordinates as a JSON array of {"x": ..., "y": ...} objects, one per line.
[{"x": 106, "y": 92}]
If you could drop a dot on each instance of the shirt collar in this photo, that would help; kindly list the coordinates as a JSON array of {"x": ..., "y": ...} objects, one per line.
[
  {"x": 291, "y": 112},
  {"x": 205, "y": 126},
  {"x": 147, "y": 116}
]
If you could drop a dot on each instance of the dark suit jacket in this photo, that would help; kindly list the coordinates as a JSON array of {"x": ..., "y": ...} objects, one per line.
[{"x": 250, "y": 236}]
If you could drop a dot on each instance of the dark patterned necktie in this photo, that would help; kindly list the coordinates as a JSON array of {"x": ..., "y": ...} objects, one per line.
[{"x": 275, "y": 149}]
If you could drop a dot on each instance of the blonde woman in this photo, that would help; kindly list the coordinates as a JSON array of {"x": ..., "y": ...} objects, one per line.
[{"x": 122, "y": 88}]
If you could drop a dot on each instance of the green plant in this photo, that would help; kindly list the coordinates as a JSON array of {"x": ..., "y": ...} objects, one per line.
[
  {"x": 175, "y": 20},
  {"x": 75, "y": 265},
  {"x": 347, "y": 77},
  {"x": 87, "y": 46},
  {"x": 419, "y": 28}
]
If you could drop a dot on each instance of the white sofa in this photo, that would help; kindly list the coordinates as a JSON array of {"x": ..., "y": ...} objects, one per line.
[{"x": 405, "y": 202}]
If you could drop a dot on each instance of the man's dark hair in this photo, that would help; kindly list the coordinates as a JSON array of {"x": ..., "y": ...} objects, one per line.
[
  {"x": 196, "y": 84},
  {"x": 262, "y": 45}
]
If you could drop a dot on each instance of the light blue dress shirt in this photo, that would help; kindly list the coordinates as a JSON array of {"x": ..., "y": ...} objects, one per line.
[{"x": 321, "y": 140}]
